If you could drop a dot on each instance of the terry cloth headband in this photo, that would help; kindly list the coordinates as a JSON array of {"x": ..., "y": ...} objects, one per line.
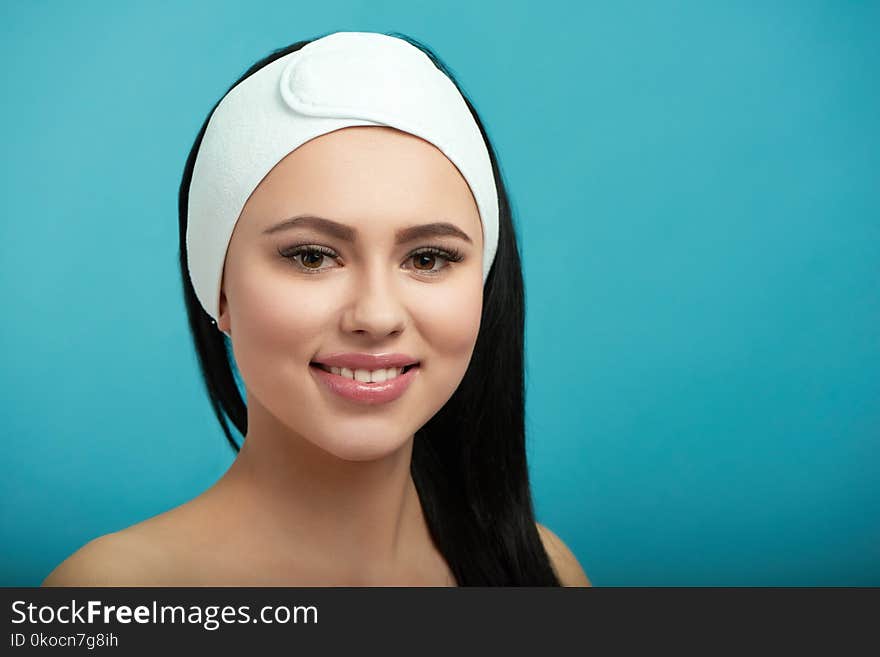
[{"x": 340, "y": 80}]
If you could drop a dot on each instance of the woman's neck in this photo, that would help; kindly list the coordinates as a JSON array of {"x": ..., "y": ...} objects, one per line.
[{"x": 361, "y": 520}]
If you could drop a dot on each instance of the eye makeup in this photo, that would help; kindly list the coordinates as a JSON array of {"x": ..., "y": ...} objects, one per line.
[{"x": 297, "y": 252}]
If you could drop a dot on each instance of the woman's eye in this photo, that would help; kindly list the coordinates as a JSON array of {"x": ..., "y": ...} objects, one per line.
[
  {"x": 425, "y": 259},
  {"x": 312, "y": 259},
  {"x": 309, "y": 258}
]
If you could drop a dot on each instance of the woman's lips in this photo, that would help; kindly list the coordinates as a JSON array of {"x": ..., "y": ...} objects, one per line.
[{"x": 365, "y": 393}]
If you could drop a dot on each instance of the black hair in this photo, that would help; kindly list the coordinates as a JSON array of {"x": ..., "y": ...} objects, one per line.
[{"x": 469, "y": 460}]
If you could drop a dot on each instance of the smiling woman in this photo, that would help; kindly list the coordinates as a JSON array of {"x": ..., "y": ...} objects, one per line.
[
  {"x": 360, "y": 270},
  {"x": 361, "y": 292}
]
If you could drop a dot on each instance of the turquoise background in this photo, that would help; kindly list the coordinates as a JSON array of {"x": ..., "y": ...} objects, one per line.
[{"x": 696, "y": 189}]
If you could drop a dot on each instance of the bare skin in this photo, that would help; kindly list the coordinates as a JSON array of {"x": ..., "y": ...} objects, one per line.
[{"x": 321, "y": 492}]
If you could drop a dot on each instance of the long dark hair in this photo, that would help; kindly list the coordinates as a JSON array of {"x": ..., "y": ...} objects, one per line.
[{"x": 469, "y": 460}]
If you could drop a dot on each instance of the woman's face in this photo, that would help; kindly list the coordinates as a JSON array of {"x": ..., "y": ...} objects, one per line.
[{"x": 365, "y": 292}]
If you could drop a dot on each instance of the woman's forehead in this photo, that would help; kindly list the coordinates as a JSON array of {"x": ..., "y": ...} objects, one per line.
[{"x": 371, "y": 178}]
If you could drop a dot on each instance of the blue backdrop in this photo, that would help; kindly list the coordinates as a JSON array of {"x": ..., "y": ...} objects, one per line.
[{"x": 696, "y": 190}]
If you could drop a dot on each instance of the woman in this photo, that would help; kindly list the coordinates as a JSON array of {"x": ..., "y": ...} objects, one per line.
[{"x": 347, "y": 246}]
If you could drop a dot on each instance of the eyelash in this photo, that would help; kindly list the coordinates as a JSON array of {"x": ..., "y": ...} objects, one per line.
[{"x": 449, "y": 254}]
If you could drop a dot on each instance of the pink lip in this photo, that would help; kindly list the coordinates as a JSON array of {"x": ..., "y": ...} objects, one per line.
[
  {"x": 365, "y": 393},
  {"x": 355, "y": 361}
]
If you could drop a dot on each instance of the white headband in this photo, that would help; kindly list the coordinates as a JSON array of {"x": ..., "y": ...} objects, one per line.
[{"x": 343, "y": 79}]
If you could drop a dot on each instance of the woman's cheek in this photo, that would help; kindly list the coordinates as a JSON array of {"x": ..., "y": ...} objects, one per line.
[
  {"x": 278, "y": 307},
  {"x": 450, "y": 322},
  {"x": 277, "y": 324}
]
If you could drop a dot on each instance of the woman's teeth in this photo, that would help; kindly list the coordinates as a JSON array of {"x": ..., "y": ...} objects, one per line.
[{"x": 365, "y": 376}]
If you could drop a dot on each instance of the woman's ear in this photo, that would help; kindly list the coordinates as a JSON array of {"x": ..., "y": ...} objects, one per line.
[{"x": 223, "y": 322}]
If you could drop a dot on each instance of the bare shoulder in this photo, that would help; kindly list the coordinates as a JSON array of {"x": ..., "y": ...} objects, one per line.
[
  {"x": 564, "y": 562},
  {"x": 118, "y": 559}
]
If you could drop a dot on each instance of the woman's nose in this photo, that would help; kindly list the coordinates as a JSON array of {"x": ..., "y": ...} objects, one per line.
[{"x": 376, "y": 307}]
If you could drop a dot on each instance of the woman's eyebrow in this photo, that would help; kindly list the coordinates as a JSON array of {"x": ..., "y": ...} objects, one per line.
[{"x": 349, "y": 234}]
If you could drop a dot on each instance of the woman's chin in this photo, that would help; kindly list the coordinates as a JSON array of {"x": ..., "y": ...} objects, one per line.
[{"x": 362, "y": 448}]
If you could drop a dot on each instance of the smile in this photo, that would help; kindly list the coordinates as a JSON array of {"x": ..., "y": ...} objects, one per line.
[
  {"x": 366, "y": 386},
  {"x": 367, "y": 376}
]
